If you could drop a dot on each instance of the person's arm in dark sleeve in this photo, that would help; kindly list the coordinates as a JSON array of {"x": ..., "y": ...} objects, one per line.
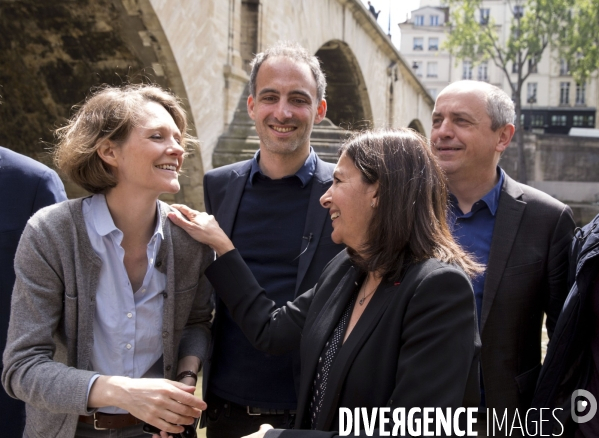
[
  {"x": 268, "y": 328},
  {"x": 558, "y": 267}
]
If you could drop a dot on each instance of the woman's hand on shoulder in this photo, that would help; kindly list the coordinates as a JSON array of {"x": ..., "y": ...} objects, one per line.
[{"x": 203, "y": 227}]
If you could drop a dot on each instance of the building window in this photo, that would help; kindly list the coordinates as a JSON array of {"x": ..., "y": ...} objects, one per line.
[
  {"x": 558, "y": 120},
  {"x": 431, "y": 69},
  {"x": 433, "y": 93},
  {"x": 485, "y": 13},
  {"x": 531, "y": 92},
  {"x": 419, "y": 20},
  {"x": 434, "y": 20},
  {"x": 466, "y": 70},
  {"x": 564, "y": 68},
  {"x": 483, "y": 71},
  {"x": 537, "y": 120},
  {"x": 515, "y": 67},
  {"x": 433, "y": 44},
  {"x": 582, "y": 120},
  {"x": 532, "y": 65},
  {"x": 518, "y": 11},
  {"x": 580, "y": 91},
  {"x": 417, "y": 67},
  {"x": 418, "y": 43},
  {"x": 564, "y": 93}
]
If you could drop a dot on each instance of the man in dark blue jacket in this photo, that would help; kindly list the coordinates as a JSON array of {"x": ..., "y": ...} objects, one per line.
[
  {"x": 270, "y": 208},
  {"x": 25, "y": 186},
  {"x": 568, "y": 386}
]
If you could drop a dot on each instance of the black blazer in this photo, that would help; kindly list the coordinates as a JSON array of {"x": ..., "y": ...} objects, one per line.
[
  {"x": 527, "y": 275},
  {"x": 416, "y": 344},
  {"x": 223, "y": 189}
]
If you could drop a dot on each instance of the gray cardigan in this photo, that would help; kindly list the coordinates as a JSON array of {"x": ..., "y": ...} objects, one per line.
[{"x": 50, "y": 336}]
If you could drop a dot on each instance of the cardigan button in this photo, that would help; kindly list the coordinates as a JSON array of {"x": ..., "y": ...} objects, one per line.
[
  {"x": 158, "y": 263},
  {"x": 168, "y": 367},
  {"x": 164, "y": 295}
]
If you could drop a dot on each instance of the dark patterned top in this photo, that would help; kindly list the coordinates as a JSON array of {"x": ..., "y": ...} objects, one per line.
[{"x": 329, "y": 352}]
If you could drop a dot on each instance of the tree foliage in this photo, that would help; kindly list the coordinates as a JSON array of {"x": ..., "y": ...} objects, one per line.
[
  {"x": 534, "y": 25},
  {"x": 579, "y": 38}
]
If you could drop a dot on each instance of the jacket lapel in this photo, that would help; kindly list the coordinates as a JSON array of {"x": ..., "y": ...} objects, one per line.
[
  {"x": 91, "y": 266},
  {"x": 165, "y": 263},
  {"x": 346, "y": 355},
  {"x": 507, "y": 222},
  {"x": 232, "y": 195},
  {"x": 319, "y": 333},
  {"x": 315, "y": 220}
]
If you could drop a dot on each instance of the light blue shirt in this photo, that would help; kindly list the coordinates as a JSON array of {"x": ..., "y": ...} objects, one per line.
[{"x": 127, "y": 325}]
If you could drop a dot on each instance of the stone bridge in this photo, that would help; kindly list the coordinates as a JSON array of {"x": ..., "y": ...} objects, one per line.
[{"x": 52, "y": 53}]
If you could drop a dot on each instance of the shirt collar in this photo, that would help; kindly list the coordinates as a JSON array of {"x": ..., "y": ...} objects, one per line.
[
  {"x": 305, "y": 173},
  {"x": 103, "y": 222},
  {"x": 491, "y": 199}
]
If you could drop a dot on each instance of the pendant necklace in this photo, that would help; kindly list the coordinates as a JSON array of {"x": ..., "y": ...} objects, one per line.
[{"x": 361, "y": 301}]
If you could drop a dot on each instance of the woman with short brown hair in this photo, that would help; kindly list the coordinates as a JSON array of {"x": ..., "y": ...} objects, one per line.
[{"x": 111, "y": 312}]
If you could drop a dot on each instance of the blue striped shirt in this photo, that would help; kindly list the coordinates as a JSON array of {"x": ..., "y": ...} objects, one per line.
[{"x": 127, "y": 323}]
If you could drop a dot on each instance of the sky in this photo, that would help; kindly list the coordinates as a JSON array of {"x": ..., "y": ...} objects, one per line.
[{"x": 398, "y": 10}]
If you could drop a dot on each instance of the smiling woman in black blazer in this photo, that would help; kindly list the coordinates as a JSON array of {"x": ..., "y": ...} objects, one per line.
[{"x": 391, "y": 321}]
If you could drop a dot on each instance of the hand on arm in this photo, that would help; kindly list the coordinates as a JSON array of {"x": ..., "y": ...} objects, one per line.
[
  {"x": 162, "y": 403},
  {"x": 187, "y": 365},
  {"x": 202, "y": 227}
]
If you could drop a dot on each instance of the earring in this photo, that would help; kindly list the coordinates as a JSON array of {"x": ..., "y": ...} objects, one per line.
[{"x": 372, "y": 204}]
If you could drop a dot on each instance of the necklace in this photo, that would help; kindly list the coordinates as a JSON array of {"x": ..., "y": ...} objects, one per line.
[{"x": 366, "y": 295}]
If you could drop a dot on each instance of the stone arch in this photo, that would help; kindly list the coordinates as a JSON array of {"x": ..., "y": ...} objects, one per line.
[
  {"x": 347, "y": 96},
  {"x": 416, "y": 125},
  {"x": 53, "y": 53}
]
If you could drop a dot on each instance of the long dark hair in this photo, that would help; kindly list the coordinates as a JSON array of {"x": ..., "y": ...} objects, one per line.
[{"x": 409, "y": 223}]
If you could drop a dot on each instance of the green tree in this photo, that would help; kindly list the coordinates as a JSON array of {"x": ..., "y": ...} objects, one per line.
[
  {"x": 535, "y": 24},
  {"x": 579, "y": 38}
]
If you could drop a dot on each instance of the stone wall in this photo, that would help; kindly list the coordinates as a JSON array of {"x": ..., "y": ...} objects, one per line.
[
  {"x": 565, "y": 167},
  {"x": 52, "y": 53}
]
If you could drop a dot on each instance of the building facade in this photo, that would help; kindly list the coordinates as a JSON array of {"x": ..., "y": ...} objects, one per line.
[{"x": 552, "y": 101}]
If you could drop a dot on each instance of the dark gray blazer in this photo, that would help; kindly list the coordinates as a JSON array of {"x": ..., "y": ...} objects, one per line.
[
  {"x": 223, "y": 189},
  {"x": 50, "y": 336},
  {"x": 526, "y": 277}
]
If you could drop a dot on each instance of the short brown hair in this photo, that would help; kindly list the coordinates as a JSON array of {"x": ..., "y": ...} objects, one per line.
[
  {"x": 110, "y": 113},
  {"x": 409, "y": 224},
  {"x": 295, "y": 52}
]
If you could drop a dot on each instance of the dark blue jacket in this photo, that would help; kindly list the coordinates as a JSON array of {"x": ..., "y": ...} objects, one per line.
[
  {"x": 568, "y": 364},
  {"x": 25, "y": 186},
  {"x": 223, "y": 189}
]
